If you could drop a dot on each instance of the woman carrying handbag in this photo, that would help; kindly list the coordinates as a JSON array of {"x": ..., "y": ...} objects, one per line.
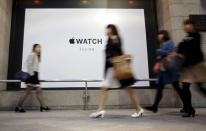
[
  {"x": 165, "y": 76},
  {"x": 32, "y": 81},
  {"x": 113, "y": 53}
]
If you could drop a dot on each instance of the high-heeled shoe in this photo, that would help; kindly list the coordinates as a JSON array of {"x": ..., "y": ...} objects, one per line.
[
  {"x": 183, "y": 110},
  {"x": 138, "y": 114},
  {"x": 189, "y": 113},
  {"x": 19, "y": 109},
  {"x": 98, "y": 114},
  {"x": 44, "y": 109}
]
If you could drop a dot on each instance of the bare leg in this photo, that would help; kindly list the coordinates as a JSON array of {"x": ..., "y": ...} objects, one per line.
[
  {"x": 103, "y": 96},
  {"x": 133, "y": 98},
  {"x": 25, "y": 95},
  {"x": 39, "y": 95}
]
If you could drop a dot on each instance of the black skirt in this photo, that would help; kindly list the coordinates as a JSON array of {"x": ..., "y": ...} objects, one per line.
[
  {"x": 127, "y": 82},
  {"x": 34, "y": 79},
  {"x": 123, "y": 83}
]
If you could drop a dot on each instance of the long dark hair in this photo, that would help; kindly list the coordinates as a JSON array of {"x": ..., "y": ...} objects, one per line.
[
  {"x": 166, "y": 35},
  {"x": 33, "y": 50},
  {"x": 114, "y": 29}
]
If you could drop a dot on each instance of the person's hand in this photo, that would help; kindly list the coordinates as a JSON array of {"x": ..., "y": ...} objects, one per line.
[{"x": 156, "y": 68}]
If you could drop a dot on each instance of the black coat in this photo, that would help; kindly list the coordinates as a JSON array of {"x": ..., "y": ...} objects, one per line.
[
  {"x": 190, "y": 48},
  {"x": 112, "y": 50}
]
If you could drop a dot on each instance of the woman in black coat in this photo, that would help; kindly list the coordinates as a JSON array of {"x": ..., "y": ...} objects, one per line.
[
  {"x": 113, "y": 49},
  {"x": 194, "y": 68}
]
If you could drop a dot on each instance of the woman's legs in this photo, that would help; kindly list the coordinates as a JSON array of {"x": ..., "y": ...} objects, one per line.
[
  {"x": 179, "y": 91},
  {"x": 24, "y": 96},
  {"x": 159, "y": 95},
  {"x": 39, "y": 95},
  {"x": 190, "y": 111},
  {"x": 187, "y": 95},
  {"x": 103, "y": 96},
  {"x": 133, "y": 98}
]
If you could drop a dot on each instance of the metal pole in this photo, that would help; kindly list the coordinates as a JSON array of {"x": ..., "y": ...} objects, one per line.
[
  {"x": 10, "y": 81},
  {"x": 87, "y": 94},
  {"x": 18, "y": 81}
]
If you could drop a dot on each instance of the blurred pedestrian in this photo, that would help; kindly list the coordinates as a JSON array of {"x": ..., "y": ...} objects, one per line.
[
  {"x": 165, "y": 76},
  {"x": 194, "y": 69},
  {"x": 114, "y": 49}
]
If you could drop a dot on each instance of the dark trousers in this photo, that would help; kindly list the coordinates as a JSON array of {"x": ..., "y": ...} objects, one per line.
[
  {"x": 159, "y": 93},
  {"x": 187, "y": 94}
]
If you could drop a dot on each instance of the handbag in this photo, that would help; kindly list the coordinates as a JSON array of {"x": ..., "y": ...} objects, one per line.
[
  {"x": 21, "y": 75},
  {"x": 122, "y": 67},
  {"x": 173, "y": 62},
  {"x": 157, "y": 67}
]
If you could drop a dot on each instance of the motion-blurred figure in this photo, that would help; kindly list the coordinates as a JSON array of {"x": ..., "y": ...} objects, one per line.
[
  {"x": 113, "y": 49},
  {"x": 194, "y": 69},
  {"x": 165, "y": 76}
]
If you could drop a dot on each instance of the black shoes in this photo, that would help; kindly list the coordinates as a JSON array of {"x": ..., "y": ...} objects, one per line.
[
  {"x": 44, "y": 109},
  {"x": 152, "y": 108},
  {"x": 19, "y": 109},
  {"x": 183, "y": 110},
  {"x": 189, "y": 113}
]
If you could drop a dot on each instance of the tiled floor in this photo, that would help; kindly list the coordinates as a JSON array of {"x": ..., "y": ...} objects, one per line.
[{"x": 115, "y": 120}]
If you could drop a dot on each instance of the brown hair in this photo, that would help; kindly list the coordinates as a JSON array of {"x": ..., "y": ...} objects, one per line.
[
  {"x": 166, "y": 35},
  {"x": 113, "y": 28},
  {"x": 33, "y": 49}
]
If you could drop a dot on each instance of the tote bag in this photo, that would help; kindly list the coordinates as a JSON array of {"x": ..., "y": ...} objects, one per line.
[{"x": 122, "y": 67}]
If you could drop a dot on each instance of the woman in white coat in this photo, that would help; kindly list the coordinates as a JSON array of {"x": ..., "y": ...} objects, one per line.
[{"x": 32, "y": 82}]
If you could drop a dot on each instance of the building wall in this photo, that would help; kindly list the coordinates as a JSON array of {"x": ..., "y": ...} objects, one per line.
[
  {"x": 5, "y": 24},
  {"x": 170, "y": 16},
  {"x": 73, "y": 99},
  {"x": 66, "y": 99}
]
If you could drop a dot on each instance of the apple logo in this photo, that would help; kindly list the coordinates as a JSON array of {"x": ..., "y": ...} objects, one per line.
[{"x": 71, "y": 41}]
